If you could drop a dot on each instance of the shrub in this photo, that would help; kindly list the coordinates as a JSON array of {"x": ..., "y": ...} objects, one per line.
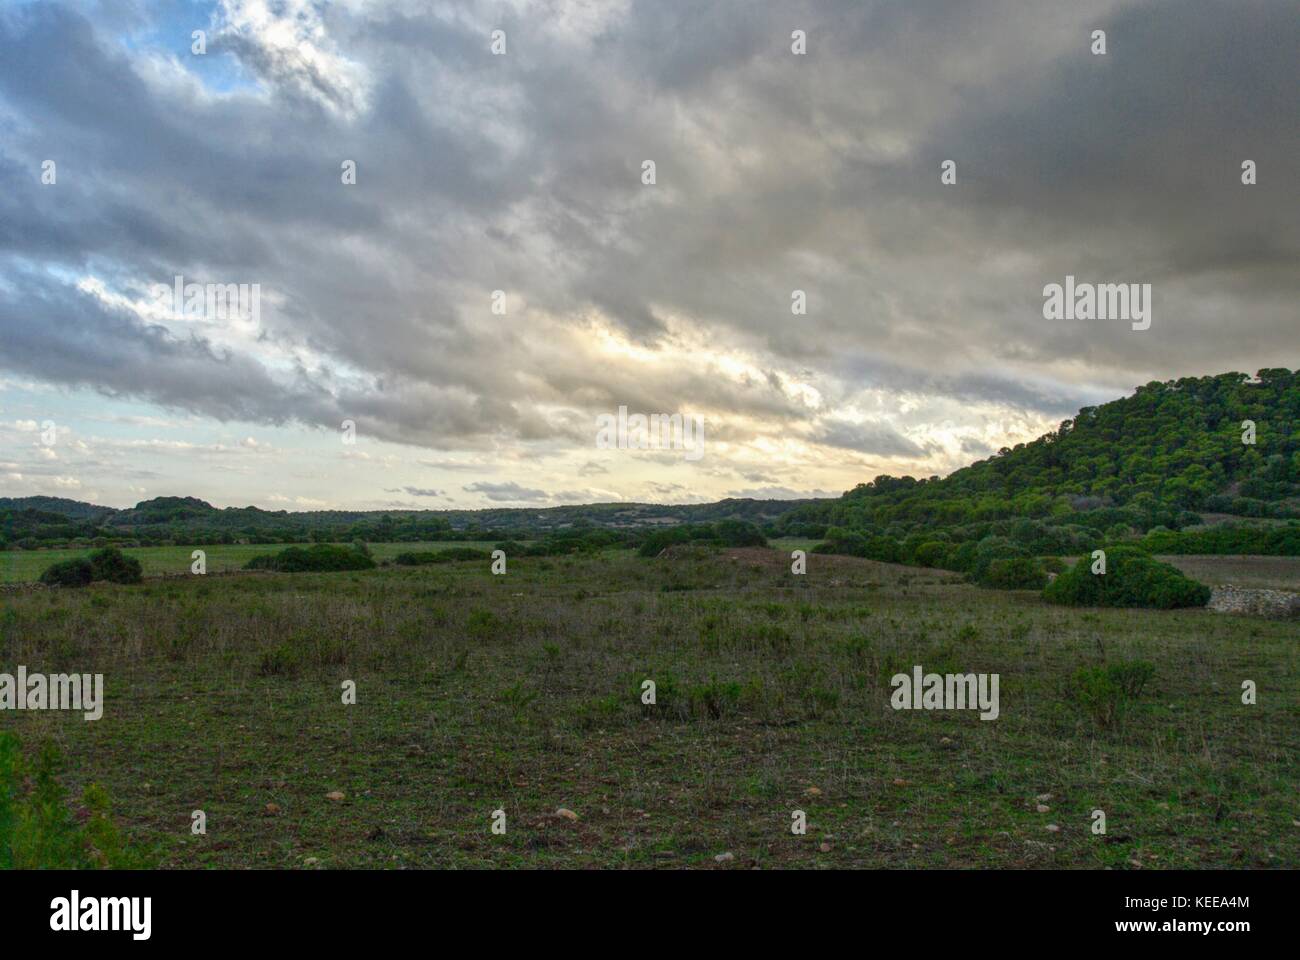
[
  {"x": 1014, "y": 573},
  {"x": 419, "y": 558},
  {"x": 69, "y": 573},
  {"x": 659, "y": 540},
  {"x": 963, "y": 558},
  {"x": 739, "y": 533},
  {"x": 415, "y": 558},
  {"x": 993, "y": 548},
  {"x": 1132, "y": 579},
  {"x": 483, "y": 624},
  {"x": 1105, "y": 691},
  {"x": 1097, "y": 694},
  {"x": 113, "y": 565},
  {"x": 320, "y": 557},
  {"x": 853, "y": 544},
  {"x": 932, "y": 553},
  {"x": 37, "y": 829},
  {"x": 284, "y": 660}
]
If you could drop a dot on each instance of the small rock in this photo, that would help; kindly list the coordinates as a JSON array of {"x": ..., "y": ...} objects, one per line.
[
  {"x": 1052, "y": 828},
  {"x": 566, "y": 814},
  {"x": 1043, "y": 808},
  {"x": 1044, "y": 797},
  {"x": 335, "y": 795},
  {"x": 310, "y": 862},
  {"x": 272, "y": 808},
  {"x": 900, "y": 782},
  {"x": 813, "y": 792},
  {"x": 725, "y": 857},
  {"x": 945, "y": 740}
]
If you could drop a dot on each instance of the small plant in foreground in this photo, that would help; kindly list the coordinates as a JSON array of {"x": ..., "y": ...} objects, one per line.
[{"x": 37, "y": 828}]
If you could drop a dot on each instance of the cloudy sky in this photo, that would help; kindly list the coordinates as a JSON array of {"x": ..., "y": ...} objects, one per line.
[{"x": 923, "y": 346}]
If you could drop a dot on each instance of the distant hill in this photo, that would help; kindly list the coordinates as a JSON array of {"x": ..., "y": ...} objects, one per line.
[
  {"x": 1227, "y": 445},
  {"x": 73, "y": 509},
  {"x": 194, "y": 520},
  {"x": 1175, "y": 445}
]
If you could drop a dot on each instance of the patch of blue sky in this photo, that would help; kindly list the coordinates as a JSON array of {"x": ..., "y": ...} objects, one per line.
[{"x": 171, "y": 30}]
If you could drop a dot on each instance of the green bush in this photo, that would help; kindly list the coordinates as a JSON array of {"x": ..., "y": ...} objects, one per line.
[
  {"x": 415, "y": 558},
  {"x": 113, "y": 565},
  {"x": 419, "y": 558},
  {"x": 739, "y": 533},
  {"x": 659, "y": 540},
  {"x": 853, "y": 544},
  {"x": 932, "y": 553},
  {"x": 284, "y": 660},
  {"x": 1105, "y": 691},
  {"x": 483, "y": 625},
  {"x": 725, "y": 533},
  {"x": 69, "y": 573},
  {"x": 1132, "y": 579},
  {"x": 37, "y": 829},
  {"x": 319, "y": 557},
  {"x": 1014, "y": 573},
  {"x": 993, "y": 548}
]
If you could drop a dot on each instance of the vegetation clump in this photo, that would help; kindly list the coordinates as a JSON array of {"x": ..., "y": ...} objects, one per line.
[
  {"x": 1105, "y": 692},
  {"x": 37, "y": 828},
  {"x": 724, "y": 533},
  {"x": 1014, "y": 573},
  {"x": 1132, "y": 579},
  {"x": 418, "y": 558},
  {"x": 318, "y": 558},
  {"x": 109, "y": 564},
  {"x": 69, "y": 573},
  {"x": 113, "y": 565}
]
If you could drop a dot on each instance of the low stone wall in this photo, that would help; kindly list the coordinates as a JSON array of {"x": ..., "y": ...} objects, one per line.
[{"x": 1276, "y": 604}]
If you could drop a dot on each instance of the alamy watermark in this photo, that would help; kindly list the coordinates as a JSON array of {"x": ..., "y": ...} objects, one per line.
[
  {"x": 77, "y": 913},
  {"x": 1098, "y": 301},
  {"x": 658, "y": 431},
  {"x": 947, "y": 691},
  {"x": 209, "y": 301},
  {"x": 55, "y": 691}
]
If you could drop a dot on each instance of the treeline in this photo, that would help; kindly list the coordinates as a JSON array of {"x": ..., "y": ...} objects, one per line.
[{"x": 47, "y": 522}]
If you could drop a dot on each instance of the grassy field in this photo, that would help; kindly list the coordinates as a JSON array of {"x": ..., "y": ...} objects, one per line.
[
  {"x": 522, "y": 693},
  {"x": 1270, "y": 573},
  {"x": 25, "y": 566}
]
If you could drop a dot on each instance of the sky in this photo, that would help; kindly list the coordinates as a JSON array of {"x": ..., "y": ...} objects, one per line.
[{"x": 448, "y": 329}]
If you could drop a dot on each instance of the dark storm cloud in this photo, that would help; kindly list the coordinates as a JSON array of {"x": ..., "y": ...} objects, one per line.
[{"x": 775, "y": 172}]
